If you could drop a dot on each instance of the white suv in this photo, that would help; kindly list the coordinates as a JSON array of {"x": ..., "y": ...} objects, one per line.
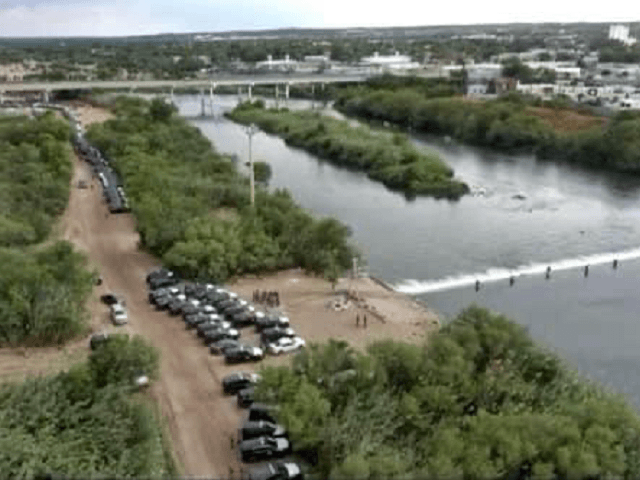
[{"x": 119, "y": 314}]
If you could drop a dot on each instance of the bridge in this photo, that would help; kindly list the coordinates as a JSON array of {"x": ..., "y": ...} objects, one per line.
[{"x": 230, "y": 80}]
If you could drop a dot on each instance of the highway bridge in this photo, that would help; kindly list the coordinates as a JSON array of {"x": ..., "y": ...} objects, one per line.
[{"x": 239, "y": 80}]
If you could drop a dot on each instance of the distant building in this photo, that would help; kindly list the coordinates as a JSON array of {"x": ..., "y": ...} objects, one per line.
[
  {"x": 620, "y": 33},
  {"x": 12, "y": 72},
  {"x": 391, "y": 62},
  {"x": 271, "y": 64}
]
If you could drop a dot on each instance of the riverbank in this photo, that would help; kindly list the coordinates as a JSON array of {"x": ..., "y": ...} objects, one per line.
[
  {"x": 387, "y": 158},
  {"x": 516, "y": 124}
]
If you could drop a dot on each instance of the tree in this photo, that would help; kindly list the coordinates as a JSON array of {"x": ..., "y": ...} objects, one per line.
[
  {"x": 160, "y": 110},
  {"x": 262, "y": 172}
]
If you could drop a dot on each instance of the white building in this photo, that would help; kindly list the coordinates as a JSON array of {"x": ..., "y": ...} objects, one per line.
[
  {"x": 391, "y": 62},
  {"x": 621, "y": 34},
  {"x": 271, "y": 64}
]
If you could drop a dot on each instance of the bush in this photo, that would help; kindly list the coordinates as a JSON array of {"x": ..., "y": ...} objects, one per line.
[
  {"x": 120, "y": 359},
  {"x": 69, "y": 425},
  {"x": 479, "y": 400}
]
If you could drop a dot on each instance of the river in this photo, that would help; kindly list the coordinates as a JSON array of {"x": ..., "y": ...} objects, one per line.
[{"x": 527, "y": 215}]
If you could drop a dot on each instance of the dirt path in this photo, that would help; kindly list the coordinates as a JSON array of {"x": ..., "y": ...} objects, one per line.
[{"x": 201, "y": 420}]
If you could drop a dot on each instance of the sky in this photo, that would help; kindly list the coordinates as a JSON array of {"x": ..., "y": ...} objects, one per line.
[{"x": 24, "y": 18}]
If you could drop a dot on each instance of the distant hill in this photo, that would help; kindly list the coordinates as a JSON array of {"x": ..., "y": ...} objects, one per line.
[{"x": 435, "y": 32}]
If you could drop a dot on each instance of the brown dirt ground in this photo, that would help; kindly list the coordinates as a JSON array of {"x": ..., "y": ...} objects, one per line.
[
  {"x": 201, "y": 420},
  {"x": 566, "y": 120}
]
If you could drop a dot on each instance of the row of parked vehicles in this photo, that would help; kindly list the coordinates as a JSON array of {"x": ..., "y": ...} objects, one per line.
[
  {"x": 218, "y": 315},
  {"x": 260, "y": 437},
  {"x": 112, "y": 188}
]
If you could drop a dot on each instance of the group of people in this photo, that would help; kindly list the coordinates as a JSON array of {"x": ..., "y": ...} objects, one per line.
[
  {"x": 364, "y": 320},
  {"x": 548, "y": 274},
  {"x": 271, "y": 299}
]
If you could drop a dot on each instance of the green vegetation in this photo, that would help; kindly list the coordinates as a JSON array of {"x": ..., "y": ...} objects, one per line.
[
  {"x": 388, "y": 158},
  {"x": 43, "y": 289},
  {"x": 193, "y": 208},
  {"x": 479, "y": 401},
  {"x": 42, "y": 295},
  {"x": 35, "y": 172},
  {"x": 85, "y": 422},
  {"x": 551, "y": 130}
]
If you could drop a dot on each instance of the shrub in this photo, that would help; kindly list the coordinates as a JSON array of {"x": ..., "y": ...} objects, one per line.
[{"x": 119, "y": 360}]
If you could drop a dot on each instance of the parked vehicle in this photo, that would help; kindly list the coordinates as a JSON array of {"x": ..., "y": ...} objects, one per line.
[
  {"x": 260, "y": 428},
  {"x": 119, "y": 314},
  {"x": 212, "y": 336},
  {"x": 98, "y": 339},
  {"x": 243, "y": 354},
  {"x": 286, "y": 345},
  {"x": 178, "y": 303},
  {"x": 275, "y": 471},
  {"x": 208, "y": 309},
  {"x": 242, "y": 306},
  {"x": 245, "y": 397},
  {"x": 225, "y": 305},
  {"x": 262, "y": 411},
  {"x": 270, "y": 335},
  {"x": 263, "y": 448},
  {"x": 242, "y": 319},
  {"x": 109, "y": 299},
  {"x": 217, "y": 295},
  {"x": 160, "y": 273},
  {"x": 163, "y": 302},
  {"x": 161, "y": 292},
  {"x": 192, "y": 306},
  {"x": 211, "y": 324},
  {"x": 271, "y": 321},
  {"x": 198, "y": 319},
  {"x": 161, "y": 282},
  {"x": 221, "y": 346},
  {"x": 235, "y": 382}
]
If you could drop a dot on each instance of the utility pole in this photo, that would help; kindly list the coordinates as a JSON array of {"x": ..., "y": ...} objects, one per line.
[{"x": 251, "y": 130}]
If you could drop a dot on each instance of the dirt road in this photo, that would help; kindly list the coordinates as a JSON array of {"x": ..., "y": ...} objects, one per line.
[{"x": 201, "y": 420}]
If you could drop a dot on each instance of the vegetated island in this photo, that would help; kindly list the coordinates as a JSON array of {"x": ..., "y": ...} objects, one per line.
[
  {"x": 554, "y": 129},
  {"x": 385, "y": 157},
  {"x": 479, "y": 400},
  {"x": 193, "y": 207}
]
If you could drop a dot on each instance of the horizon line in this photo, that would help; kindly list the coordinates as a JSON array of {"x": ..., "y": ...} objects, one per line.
[{"x": 276, "y": 29}]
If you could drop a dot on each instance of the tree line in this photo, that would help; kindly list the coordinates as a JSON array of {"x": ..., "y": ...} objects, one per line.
[
  {"x": 479, "y": 400},
  {"x": 387, "y": 158},
  {"x": 43, "y": 289},
  {"x": 507, "y": 124},
  {"x": 193, "y": 207},
  {"x": 85, "y": 422}
]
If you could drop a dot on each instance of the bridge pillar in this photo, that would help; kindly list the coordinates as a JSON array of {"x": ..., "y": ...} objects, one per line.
[
  {"x": 202, "y": 107},
  {"x": 286, "y": 91},
  {"x": 313, "y": 96},
  {"x": 1, "y": 97},
  {"x": 250, "y": 88},
  {"x": 173, "y": 98}
]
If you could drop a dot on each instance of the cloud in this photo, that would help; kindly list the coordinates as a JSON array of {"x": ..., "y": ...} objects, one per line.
[
  {"x": 70, "y": 18},
  {"x": 140, "y": 17}
]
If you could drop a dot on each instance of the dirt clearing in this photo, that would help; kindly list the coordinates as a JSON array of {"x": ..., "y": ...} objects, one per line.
[{"x": 566, "y": 120}]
